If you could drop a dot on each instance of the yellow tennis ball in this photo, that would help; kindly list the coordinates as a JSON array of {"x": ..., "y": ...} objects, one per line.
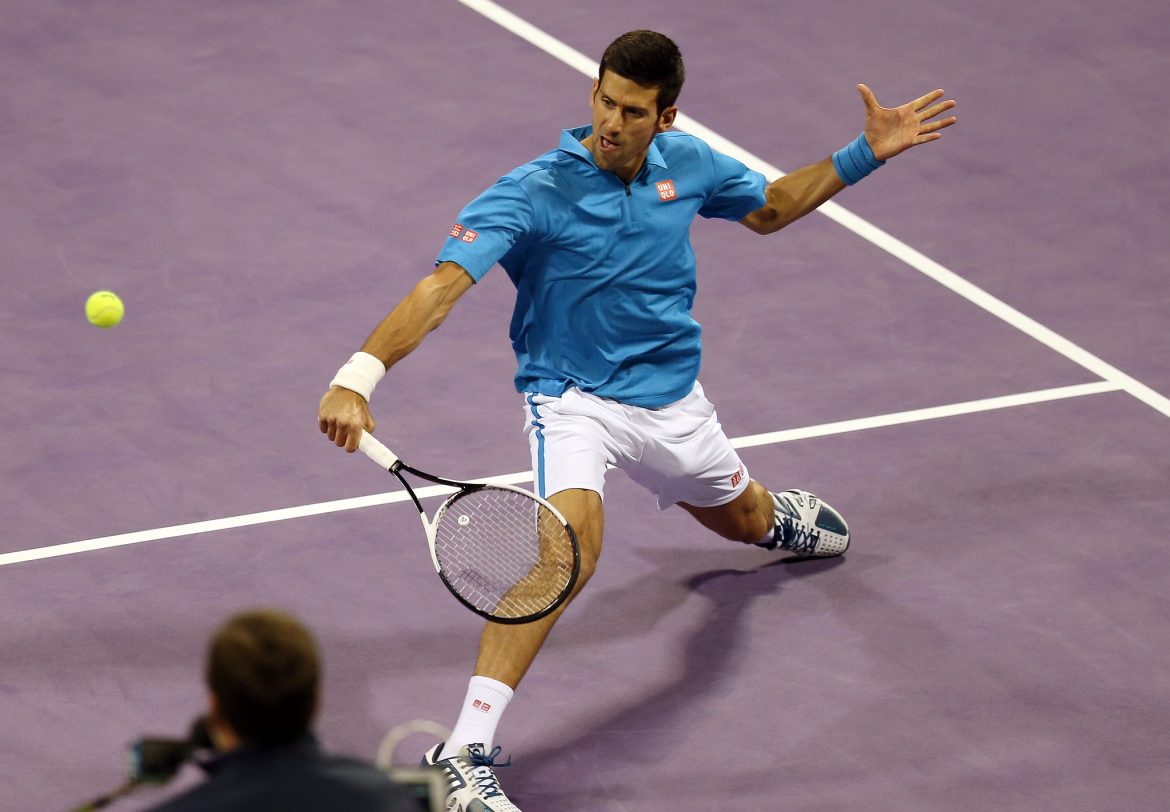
[{"x": 104, "y": 308}]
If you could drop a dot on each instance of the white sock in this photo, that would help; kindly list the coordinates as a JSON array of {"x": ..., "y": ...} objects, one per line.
[
  {"x": 482, "y": 709},
  {"x": 770, "y": 537}
]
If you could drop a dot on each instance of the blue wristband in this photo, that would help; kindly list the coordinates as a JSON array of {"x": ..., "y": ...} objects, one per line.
[{"x": 855, "y": 161}]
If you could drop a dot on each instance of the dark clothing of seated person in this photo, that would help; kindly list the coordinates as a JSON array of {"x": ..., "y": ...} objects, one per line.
[{"x": 263, "y": 675}]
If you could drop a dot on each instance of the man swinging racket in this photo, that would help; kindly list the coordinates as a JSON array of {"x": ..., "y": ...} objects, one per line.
[{"x": 595, "y": 236}]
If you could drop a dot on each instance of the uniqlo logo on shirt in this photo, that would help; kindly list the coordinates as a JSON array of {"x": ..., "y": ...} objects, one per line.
[
  {"x": 737, "y": 476},
  {"x": 456, "y": 230},
  {"x": 469, "y": 235},
  {"x": 481, "y": 705},
  {"x": 666, "y": 190}
]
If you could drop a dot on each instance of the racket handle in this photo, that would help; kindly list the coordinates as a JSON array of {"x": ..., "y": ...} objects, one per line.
[{"x": 379, "y": 453}]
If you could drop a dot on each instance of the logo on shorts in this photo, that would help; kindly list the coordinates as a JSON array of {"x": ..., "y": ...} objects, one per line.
[
  {"x": 480, "y": 705},
  {"x": 469, "y": 235},
  {"x": 737, "y": 477},
  {"x": 456, "y": 230},
  {"x": 666, "y": 190}
]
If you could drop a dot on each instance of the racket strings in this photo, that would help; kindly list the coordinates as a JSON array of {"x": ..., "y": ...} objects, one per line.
[{"x": 503, "y": 551}]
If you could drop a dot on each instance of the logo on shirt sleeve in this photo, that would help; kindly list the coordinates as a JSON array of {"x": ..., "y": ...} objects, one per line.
[
  {"x": 469, "y": 235},
  {"x": 666, "y": 190},
  {"x": 456, "y": 230}
]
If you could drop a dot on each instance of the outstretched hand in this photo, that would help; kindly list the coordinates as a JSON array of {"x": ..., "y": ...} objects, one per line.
[{"x": 891, "y": 130}]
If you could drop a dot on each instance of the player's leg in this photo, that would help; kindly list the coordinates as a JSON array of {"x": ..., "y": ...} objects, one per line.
[
  {"x": 506, "y": 651},
  {"x": 569, "y": 460},
  {"x": 748, "y": 517},
  {"x": 689, "y": 461},
  {"x": 792, "y": 520},
  {"x": 570, "y": 447}
]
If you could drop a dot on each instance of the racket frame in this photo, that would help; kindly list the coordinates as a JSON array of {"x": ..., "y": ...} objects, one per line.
[{"x": 389, "y": 461}]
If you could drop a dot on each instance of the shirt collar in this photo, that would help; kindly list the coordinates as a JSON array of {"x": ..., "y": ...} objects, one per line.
[{"x": 571, "y": 143}]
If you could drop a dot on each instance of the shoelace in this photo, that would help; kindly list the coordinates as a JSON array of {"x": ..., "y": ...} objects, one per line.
[
  {"x": 485, "y": 779},
  {"x": 804, "y": 539}
]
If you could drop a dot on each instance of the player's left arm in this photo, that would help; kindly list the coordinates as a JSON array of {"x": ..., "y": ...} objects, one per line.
[{"x": 888, "y": 132}]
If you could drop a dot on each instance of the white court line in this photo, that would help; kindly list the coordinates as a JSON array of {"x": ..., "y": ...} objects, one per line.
[
  {"x": 862, "y": 228},
  {"x": 930, "y": 413},
  {"x": 521, "y": 477}
]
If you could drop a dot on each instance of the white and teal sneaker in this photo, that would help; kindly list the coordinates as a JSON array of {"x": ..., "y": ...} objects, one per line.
[
  {"x": 472, "y": 785},
  {"x": 807, "y": 526}
]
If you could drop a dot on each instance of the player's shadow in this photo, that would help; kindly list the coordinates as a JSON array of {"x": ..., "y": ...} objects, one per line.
[{"x": 707, "y": 650}]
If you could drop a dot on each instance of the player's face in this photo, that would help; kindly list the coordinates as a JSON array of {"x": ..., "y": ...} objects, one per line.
[{"x": 625, "y": 121}]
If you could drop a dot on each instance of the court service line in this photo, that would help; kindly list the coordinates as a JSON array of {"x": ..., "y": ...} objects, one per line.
[
  {"x": 929, "y": 413},
  {"x": 862, "y": 228},
  {"x": 521, "y": 477}
]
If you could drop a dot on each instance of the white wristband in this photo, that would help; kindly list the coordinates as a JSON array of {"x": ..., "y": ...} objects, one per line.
[{"x": 360, "y": 374}]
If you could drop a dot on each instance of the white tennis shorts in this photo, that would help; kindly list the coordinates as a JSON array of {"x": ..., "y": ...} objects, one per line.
[{"x": 679, "y": 452}]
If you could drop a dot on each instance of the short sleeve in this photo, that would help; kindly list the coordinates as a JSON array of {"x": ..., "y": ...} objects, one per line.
[
  {"x": 488, "y": 227},
  {"x": 736, "y": 191}
]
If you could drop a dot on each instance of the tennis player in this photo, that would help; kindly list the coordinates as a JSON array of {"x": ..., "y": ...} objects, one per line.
[{"x": 595, "y": 236}]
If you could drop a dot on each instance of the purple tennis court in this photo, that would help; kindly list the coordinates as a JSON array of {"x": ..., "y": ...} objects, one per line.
[{"x": 968, "y": 356}]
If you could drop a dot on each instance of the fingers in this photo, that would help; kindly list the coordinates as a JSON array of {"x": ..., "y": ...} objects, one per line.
[
  {"x": 918, "y": 105},
  {"x": 341, "y": 417},
  {"x": 922, "y": 139},
  {"x": 938, "y": 108},
  {"x": 922, "y": 101},
  {"x": 928, "y": 130},
  {"x": 342, "y": 435},
  {"x": 893, "y": 130},
  {"x": 353, "y": 437},
  {"x": 935, "y": 126},
  {"x": 868, "y": 97},
  {"x": 337, "y": 431}
]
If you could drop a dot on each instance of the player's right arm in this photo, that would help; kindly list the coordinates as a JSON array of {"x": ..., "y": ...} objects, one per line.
[
  {"x": 344, "y": 413},
  {"x": 488, "y": 227}
]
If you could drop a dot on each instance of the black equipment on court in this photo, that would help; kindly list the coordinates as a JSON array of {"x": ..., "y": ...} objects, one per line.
[{"x": 155, "y": 761}]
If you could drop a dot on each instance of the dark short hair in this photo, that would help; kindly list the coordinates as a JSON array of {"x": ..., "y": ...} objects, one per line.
[
  {"x": 264, "y": 671},
  {"x": 648, "y": 58}
]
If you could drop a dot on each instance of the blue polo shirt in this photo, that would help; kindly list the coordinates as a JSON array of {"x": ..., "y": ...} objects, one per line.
[{"x": 604, "y": 272}]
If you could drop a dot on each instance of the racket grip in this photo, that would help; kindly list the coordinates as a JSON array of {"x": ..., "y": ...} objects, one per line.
[{"x": 379, "y": 453}]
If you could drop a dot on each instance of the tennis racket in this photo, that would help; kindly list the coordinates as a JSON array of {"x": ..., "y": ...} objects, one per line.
[{"x": 505, "y": 553}]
